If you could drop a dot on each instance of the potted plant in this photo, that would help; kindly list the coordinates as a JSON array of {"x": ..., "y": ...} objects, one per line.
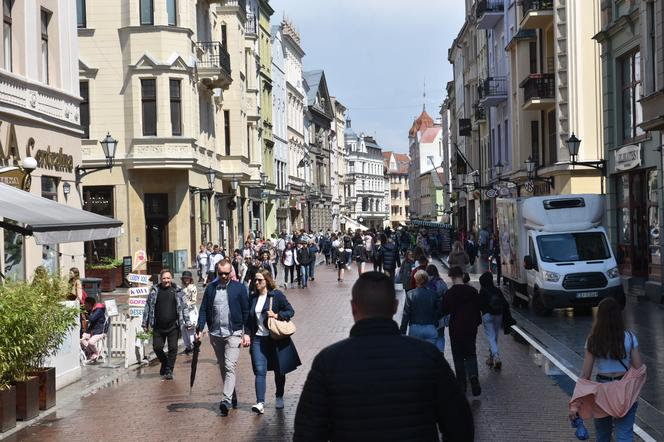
[
  {"x": 108, "y": 269},
  {"x": 7, "y": 368},
  {"x": 56, "y": 319}
]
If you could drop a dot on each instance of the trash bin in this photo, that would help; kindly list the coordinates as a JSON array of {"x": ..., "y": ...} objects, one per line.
[{"x": 92, "y": 287}]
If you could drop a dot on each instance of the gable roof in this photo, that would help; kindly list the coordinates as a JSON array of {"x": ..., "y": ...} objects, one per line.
[
  {"x": 318, "y": 85},
  {"x": 402, "y": 160}
]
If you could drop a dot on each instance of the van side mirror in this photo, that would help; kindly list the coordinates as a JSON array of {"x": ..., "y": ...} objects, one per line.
[{"x": 528, "y": 262}]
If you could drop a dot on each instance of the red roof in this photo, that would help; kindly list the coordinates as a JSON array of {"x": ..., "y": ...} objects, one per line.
[
  {"x": 422, "y": 122},
  {"x": 402, "y": 160},
  {"x": 429, "y": 135}
]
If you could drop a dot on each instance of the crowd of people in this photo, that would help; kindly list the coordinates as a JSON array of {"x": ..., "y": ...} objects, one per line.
[{"x": 243, "y": 305}]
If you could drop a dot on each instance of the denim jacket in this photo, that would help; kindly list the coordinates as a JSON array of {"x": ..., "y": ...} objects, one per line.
[{"x": 148, "y": 312}]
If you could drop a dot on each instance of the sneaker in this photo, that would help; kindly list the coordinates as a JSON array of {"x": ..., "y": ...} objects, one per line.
[
  {"x": 223, "y": 409},
  {"x": 497, "y": 364},
  {"x": 259, "y": 408},
  {"x": 169, "y": 375},
  {"x": 279, "y": 404},
  {"x": 489, "y": 361},
  {"x": 475, "y": 386},
  {"x": 234, "y": 401},
  {"x": 162, "y": 370}
]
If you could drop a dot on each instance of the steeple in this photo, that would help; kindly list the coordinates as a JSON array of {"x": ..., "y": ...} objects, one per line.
[{"x": 424, "y": 96}]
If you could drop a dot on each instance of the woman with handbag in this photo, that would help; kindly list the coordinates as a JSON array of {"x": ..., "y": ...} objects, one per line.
[
  {"x": 612, "y": 400},
  {"x": 270, "y": 327}
]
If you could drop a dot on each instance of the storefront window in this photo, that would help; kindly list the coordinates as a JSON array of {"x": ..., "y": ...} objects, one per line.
[
  {"x": 205, "y": 219},
  {"x": 99, "y": 200},
  {"x": 653, "y": 222}
]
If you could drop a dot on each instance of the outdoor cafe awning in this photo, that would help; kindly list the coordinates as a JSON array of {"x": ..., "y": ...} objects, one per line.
[
  {"x": 51, "y": 222},
  {"x": 352, "y": 224}
]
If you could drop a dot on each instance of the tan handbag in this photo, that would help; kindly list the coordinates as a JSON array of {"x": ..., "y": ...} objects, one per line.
[{"x": 279, "y": 329}]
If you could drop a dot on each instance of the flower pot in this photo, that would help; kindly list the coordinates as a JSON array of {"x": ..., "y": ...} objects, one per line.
[
  {"x": 46, "y": 378},
  {"x": 27, "y": 398},
  {"x": 7, "y": 408}
]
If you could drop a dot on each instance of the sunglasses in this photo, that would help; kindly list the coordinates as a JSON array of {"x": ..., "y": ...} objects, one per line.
[
  {"x": 259, "y": 279},
  {"x": 224, "y": 273}
]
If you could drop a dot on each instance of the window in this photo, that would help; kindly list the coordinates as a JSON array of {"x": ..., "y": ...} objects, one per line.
[
  {"x": 551, "y": 127},
  {"x": 653, "y": 220},
  {"x": 7, "y": 33},
  {"x": 227, "y": 132},
  {"x": 99, "y": 200},
  {"x": 570, "y": 247},
  {"x": 149, "y": 104},
  {"x": 81, "y": 14},
  {"x": 176, "y": 107},
  {"x": 532, "y": 50},
  {"x": 224, "y": 40},
  {"x": 85, "y": 108},
  {"x": 630, "y": 67},
  {"x": 534, "y": 141},
  {"x": 49, "y": 188},
  {"x": 171, "y": 10},
  {"x": 147, "y": 12},
  {"x": 45, "y": 18}
]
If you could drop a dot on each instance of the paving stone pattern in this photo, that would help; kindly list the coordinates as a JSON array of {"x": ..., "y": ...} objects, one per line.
[{"x": 519, "y": 403}]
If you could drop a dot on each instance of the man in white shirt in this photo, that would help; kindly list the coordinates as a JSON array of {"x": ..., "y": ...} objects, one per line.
[{"x": 213, "y": 259}]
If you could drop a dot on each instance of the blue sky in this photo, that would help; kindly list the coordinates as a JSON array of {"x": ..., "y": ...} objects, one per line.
[{"x": 376, "y": 55}]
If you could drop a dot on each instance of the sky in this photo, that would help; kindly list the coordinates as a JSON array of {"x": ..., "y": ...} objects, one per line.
[{"x": 377, "y": 55}]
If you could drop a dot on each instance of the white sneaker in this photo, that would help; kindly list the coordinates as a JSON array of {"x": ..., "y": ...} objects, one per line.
[
  {"x": 279, "y": 404},
  {"x": 259, "y": 408}
]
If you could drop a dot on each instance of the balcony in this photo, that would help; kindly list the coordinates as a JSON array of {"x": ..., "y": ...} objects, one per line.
[
  {"x": 489, "y": 13},
  {"x": 539, "y": 92},
  {"x": 213, "y": 64},
  {"x": 537, "y": 14},
  {"x": 240, "y": 4},
  {"x": 492, "y": 91},
  {"x": 653, "y": 117}
]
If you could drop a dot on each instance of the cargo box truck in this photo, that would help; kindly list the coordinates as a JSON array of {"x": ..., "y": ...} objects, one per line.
[{"x": 555, "y": 252}]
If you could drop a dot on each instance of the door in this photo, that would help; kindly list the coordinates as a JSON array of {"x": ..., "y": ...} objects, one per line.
[
  {"x": 632, "y": 223},
  {"x": 156, "y": 229}
]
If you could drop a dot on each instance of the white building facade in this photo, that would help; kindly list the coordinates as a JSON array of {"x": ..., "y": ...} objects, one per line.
[{"x": 280, "y": 129}]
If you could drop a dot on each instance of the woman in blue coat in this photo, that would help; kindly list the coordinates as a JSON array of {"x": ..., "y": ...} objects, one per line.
[{"x": 268, "y": 354}]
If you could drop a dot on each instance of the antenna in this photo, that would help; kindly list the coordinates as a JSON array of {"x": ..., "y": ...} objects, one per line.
[{"x": 424, "y": 96}]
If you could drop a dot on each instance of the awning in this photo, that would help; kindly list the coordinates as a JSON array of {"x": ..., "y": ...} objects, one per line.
[
  {"x": 51, "y": 222},
  {"x": 351, "y": 223},
  {"x": 430, "y": 224}
]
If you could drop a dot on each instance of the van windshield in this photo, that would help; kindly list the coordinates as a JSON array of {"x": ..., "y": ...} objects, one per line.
[{"x": 566, "y": 247}]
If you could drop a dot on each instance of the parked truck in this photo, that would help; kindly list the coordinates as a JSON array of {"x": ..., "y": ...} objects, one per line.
[{"x": 555, "y": 252}]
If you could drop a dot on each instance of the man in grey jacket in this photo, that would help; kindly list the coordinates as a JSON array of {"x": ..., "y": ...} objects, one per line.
[{"x": 165, "y": 311}]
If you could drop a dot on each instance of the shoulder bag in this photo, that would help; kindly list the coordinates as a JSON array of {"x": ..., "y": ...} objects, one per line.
[{"x": 279, "y": 329}]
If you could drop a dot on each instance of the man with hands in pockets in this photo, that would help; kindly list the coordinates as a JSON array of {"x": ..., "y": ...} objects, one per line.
[{"x": 225, "y": 310}]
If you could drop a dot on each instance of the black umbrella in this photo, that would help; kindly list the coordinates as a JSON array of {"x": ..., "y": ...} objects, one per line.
[{"x": 194, "y": 364}]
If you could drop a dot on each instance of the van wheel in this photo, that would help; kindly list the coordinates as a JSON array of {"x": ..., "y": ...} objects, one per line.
[{"x": 538, "y": 305}]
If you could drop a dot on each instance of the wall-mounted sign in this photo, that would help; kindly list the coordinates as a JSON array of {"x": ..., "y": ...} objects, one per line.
[
  {"x": 460, "y": 165},
  {"x": 490, "y": 193},
  {"x": 465, "y": 127},
  {"x": 628, "y": 157},
  {"x": 12, "y": 176},
  {"x": 10, "y": 153}
]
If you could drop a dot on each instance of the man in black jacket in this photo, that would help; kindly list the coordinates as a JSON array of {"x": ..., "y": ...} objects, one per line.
[
  {"x": 391, "y": 258},
  {"x": 379, "y": 385}
]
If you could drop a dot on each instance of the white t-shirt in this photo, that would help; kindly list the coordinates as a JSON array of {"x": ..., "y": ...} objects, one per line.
[
  {"x": 260, "y": 316},
  {"x": 214, "y": 258},
  {"x": 288, "y": 258},
  {"x": 335, "y": 244}
]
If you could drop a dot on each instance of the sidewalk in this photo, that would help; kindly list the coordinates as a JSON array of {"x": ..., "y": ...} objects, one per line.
[{"x": 139, "y": 405}]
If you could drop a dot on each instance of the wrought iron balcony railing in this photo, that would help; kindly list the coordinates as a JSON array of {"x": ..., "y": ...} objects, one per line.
[
  {"x": 536, "y": 5},
  {"x": 484, "y": 6},
  {"x": 493, "y": 86},
  {"x": 538, "y": 86},
  {"x": 213, "y": 55}
]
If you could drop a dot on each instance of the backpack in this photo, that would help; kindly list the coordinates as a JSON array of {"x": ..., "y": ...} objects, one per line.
[{"x": 496, "y": 301}]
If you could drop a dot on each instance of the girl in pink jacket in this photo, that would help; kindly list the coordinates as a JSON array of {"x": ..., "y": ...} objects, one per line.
[{"x": 612, "y": 399}]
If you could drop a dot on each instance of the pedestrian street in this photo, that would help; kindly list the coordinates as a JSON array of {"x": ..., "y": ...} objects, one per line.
[{"x": 142, "y": 406}]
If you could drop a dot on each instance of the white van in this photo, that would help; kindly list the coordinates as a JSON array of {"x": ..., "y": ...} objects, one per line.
[{"x": 555, "y": 252}]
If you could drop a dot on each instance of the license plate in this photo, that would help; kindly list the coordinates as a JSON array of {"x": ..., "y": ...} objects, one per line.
[{"x": 587, "y": 295}]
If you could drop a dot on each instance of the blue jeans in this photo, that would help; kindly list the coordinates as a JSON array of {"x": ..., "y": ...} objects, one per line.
[
  {"x": 492, "y": 325},
  {"x": 624, "y": 426},
  {"x": 312, "y": 268},
  {"x": 304, "y": 275},
  {"x": 427, "y": 332},
  {"x": 261, "y": 348}
]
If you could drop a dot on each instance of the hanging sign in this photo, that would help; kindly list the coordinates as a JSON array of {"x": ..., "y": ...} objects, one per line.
[
  {"x": 138, "y": 279},
  {"x": 628, "y": 157},
  {"x": 140, "y": 258},
  {"x": 490, "y": 193}
]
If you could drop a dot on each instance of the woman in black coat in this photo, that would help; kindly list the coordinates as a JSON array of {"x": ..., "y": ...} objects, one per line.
[{"x": 268, "y": 354}]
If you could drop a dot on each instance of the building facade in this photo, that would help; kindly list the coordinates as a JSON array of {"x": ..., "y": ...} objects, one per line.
[
  {"x": 397, "y": 190},
  {"x": 632, "y": 70},
  {"x": 338, "y": 163},
  {"x": 40, "y": 120},
  {"x": 319, "y": 125},
  {"x": 160, "y": 81},
  {"x": 426, "y": 153},
  {"x": 365, "y": 175}
]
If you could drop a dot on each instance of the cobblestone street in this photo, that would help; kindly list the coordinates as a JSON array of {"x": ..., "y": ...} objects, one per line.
[{"x": 518, "y": 403}]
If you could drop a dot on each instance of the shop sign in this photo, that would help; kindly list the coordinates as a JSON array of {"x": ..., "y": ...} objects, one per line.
[
  {"x": 138, "y": 279},
  {"x": 12, "y": 176},
  {"x": 628, "y": 157},
  {"x": 490, "y": 193},
  {"x": 465, "y": 127},
  {"x": 10, "y": 154}
]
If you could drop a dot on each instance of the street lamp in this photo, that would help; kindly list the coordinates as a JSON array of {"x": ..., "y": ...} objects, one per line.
[
  {"x": 109, "y": 146},
  {"x": 531, "y": 170},
  {"x": 234, "y": 183},
  {"x": 211, "y": 176},
  {"x": 573, "y": 144},
  {"x": 263, "y": 179},
  {"x": 66, "y": 188},
  {"x": 499, "y": 169}
]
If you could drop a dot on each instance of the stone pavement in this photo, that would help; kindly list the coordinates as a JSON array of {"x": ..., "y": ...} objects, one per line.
[{"x": 518, "y": 403}]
